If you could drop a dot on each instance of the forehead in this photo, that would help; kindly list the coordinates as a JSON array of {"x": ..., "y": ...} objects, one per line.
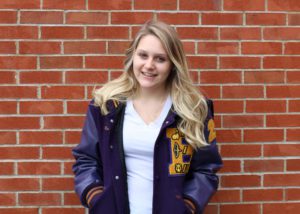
[{"x": 151, "y": 43}]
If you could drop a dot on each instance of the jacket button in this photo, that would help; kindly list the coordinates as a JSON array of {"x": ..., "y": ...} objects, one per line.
[
  {"x": 167, "y": 122},
  {"x": 111, "y": 120},
  {"x": 111, "y": 146},
  {"x": 106, "y": 128},
  {"x": 117, "y": 177}
]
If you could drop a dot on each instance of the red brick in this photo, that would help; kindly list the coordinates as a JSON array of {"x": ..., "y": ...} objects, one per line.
[
  {"x": 240, "y": 208},
  {"x": 243, "y": 91},
  {"x": 281, "y": 150},
  {"x": 64, "y": 4},
  {"x": 72, "y": 137},
  {"x": 200, "y": 5},
  {"x": 19, "y": 122},
  {"x": 63, "y": 122},
  {"x": 17, "y": 4},
  {"x": 293, "y": 134},
  {"x": 58, "y": 183},
  {"x": 57, "y": 152},
  {"x": 62, "y": 92},
  {"x": 38, "y": 168},
  {"x": 179, "y": 18},
  {"x": 231, "y": 166},
  {"x": 117, "y": 47},
  {"x": 284, "y": 62},
  {"x": 287, "y": 5},
  {"x": 261, "y": 48},
  {"x": 71, "y": 199},
  {"x": 110, "y": 62},
  {"x": 84, "y": 47},
  {"x": 221, "y": 77},
  {"x": 265, "y": 18},
  {"x": 109, "y": 5},
  {"x": 292, "y": 194},
  {"x": 222, "y": 19},
  {"x": 293, "y": 76},
  {"x": 39, "y": 47},
  {"x": 226, "y": 196},
  {"x": 18, "y": 62},
  {"x": 130, "y": 17},
  {"x": 281, "y": 33},
  {"x": 237, "y": 121},
  {"x": 228, "y": 106},
  {"x": 19, "y": 210},
  {"x": 263, "y": 195},
  {"x": 18, "y": 92},
  {"x": 7, "y": 48},
  {"x": 68, "y": 168},
  {"x": 107, "y": 32},
  {"x": 218, "y": 47},
  {"x": 40, "y": 77},
  {"x": 283, "y": 91},
  {"x": 239, "y": 62},
  {"x": 241, "y": 33},
  {"x": 286, "y": 208},
  {"x": 294, "y": 105},
  {"x": 281, "y": 180},
  {"x": 62, "y": 32},
  {"x": 115, "y": 74},
  {"x": 197, "y": 32},
  {"x": 283, "y": 120},
  {"x": 55, "y": 62},
  {"x": 7, "y": 77},
  {"x": 17, "y": 184},
  {"x": 41, "y": 137},
  {"x": 294, "y": 19},
  {"x": 8, "y": 17},
  {"x": 244, "y": 5},
  {"x": 292, "y": 48},
  {"x": 18, "y": 32},
  {"x": 207, "y": 62},
  {"x": 189, "y": 47},
  {"x": 232, "y": 135},
  {"x": 7, "y": 199},
  {"x": 266, "y": 106},
  {"x": 39, "y": 199},
  {"x": 263, "y": 165},
  {"x": 77, "y": 107},
  {"x": 211, "y": 209},
  {"x": 241, "y": 181},
  {"x": 19, "y": 152},
  {"x": 264, "y": 76},
  {"x": 263, "y": 135},
  {"x": 7, "y": 137},
  {"x": 155, "y": 5},
  {"x": 211, "y": 91},
  {"x": 86, "y": 77},
  {"x": 241, "y": 150},
  {"x": 87, "y": 18},
  {"x": 50, "y": 210},
  {"x": 8, "y": 107},
  {"x": 41, "y": 107},
  {"x": 41, "y": 17},
  {"x": 293, "y": 165},
  {"x": 6, "y": 168}
]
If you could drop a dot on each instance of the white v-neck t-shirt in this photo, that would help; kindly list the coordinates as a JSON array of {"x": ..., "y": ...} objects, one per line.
[{"x": 138, "y": 141}]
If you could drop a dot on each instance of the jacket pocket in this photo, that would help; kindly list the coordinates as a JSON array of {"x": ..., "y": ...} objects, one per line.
[{"x": 104, "y": 203}]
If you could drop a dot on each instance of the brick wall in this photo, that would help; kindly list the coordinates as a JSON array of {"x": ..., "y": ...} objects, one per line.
[{"x": 245, "y": 54}]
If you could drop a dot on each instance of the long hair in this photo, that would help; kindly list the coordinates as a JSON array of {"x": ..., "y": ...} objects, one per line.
[{"x": 187, "y": 101}]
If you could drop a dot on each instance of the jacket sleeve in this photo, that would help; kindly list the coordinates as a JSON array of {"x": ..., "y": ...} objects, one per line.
[
  {"x": 87, "y": 167},
  {"x": 201, "y": 181}
]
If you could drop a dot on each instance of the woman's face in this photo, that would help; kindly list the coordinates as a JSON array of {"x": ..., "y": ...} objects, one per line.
[{"x": 151, "y": 64}]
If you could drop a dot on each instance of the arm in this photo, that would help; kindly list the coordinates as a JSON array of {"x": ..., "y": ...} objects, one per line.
[
  {"x": 88, "y": 167},
  {"x": 201, "y": 181}
]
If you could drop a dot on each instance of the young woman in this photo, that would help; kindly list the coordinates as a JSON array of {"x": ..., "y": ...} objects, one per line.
[{"x": 148, "y": 144}]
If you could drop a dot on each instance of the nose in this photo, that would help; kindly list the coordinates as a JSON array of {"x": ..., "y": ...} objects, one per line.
[{"x": 149, "y": 64}]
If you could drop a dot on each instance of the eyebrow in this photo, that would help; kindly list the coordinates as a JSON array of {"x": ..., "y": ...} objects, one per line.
[{"x": 155, "y": 54}]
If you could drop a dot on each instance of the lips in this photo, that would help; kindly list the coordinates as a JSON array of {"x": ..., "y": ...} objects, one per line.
[{"x": 148, "y": 74}]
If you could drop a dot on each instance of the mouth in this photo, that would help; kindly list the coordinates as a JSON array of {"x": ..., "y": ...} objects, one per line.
[{"x": 149, "y": 74}]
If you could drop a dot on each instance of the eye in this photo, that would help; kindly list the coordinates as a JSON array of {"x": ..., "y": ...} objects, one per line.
[
  {"x": 160, "y": 59},
  {"x": 143, "y": 55}
]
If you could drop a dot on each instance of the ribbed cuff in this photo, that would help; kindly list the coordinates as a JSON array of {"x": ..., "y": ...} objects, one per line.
[{"x": 94, "y": 191}]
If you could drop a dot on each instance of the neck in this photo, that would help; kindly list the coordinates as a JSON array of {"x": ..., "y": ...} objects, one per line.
[{"x": 158, "y": 95}]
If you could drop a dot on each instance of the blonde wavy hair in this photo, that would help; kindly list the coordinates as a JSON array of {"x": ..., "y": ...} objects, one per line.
[{"x": 188, "y": 103}]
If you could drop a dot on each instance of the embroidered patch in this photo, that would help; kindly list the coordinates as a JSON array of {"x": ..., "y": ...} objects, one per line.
[
  {"x": 211, "y": 129},
  {"x": 181, "y": 153}
]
